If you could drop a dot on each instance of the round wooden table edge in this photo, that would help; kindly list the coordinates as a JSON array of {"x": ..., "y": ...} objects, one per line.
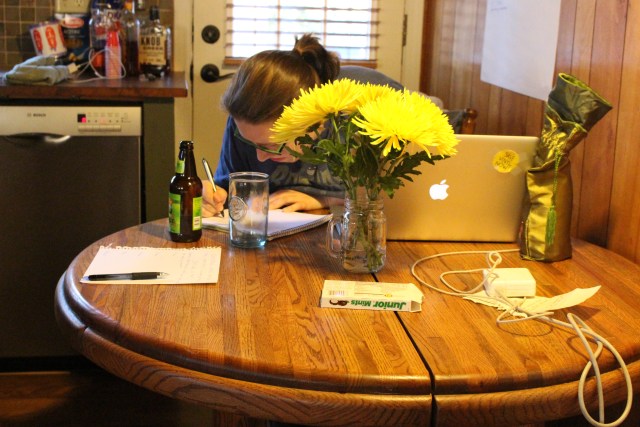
[
  {"x": 536, "y": 404},
  {"x": 290, "y": 405}
]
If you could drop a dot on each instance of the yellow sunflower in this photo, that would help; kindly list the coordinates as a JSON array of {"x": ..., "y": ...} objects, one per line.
[
  {"x": 398, "y": 118},
  {"x": 371, "y": 92},
  {"x": 314, "y": 106}
]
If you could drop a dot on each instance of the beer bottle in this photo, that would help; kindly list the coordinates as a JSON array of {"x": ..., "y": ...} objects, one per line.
[{"x": 185, "y": 198}]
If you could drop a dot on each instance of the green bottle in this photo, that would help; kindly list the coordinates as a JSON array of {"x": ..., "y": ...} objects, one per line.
[{"x": 185, "y": 198}]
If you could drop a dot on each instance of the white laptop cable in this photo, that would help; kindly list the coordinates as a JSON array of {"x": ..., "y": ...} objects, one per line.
[{"x": 577, "y": 325}]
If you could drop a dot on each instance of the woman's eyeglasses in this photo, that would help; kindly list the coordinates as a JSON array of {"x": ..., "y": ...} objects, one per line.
[{"x": 266, "y": 148}]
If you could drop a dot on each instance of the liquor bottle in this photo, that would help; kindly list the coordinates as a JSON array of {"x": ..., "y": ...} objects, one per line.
[
  {"x": 113, "y": 56},
  {"x": 129, "y": 35},
  {"x": 185, "y": 198},
  {"x": 154, "y": 49},
  {"x": 105, "y": 15},
  {"x": 98, "y": 28}
]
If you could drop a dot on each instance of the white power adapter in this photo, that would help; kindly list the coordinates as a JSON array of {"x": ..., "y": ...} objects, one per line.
[{"x": 510, "y": 282}]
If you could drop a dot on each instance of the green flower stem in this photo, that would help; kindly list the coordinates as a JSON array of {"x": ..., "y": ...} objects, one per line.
[
  {"x": 365, "y": 218},
  {"x": 374, "y": 257}
]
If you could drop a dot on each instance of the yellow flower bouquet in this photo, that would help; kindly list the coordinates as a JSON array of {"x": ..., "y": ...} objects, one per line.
[
  {"x": 372, "y": 137},
  {"x": 371, "y": 130}
]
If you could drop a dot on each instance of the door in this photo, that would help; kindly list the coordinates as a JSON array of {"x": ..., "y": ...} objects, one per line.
[{"x": 208, "y": 119}]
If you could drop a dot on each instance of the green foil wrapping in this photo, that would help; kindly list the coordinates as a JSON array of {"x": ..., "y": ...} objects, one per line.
[{"x": 570, "y": 112}]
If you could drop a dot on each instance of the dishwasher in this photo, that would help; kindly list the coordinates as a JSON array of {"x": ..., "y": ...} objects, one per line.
[{"x": 71, "y": 174}]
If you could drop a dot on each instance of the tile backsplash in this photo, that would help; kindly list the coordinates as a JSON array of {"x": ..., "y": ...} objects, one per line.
[{"x": 16, "y": 16}]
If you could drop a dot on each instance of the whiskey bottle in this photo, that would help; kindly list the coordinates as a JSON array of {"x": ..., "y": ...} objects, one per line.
[{"x": 154, "y": 49}]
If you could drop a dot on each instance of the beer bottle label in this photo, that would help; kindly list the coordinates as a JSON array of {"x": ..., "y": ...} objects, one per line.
[
  {"x": 197, "y": 213},
  {"x": 180, "y": 166},
  {"x": 174, "y": 213}
]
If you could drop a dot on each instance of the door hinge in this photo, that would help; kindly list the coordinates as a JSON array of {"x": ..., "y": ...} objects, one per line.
[{"x": 404, "y": 30}]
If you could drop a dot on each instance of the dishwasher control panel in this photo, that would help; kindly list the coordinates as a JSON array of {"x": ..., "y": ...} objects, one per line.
[{"x": 71, "y": 120}]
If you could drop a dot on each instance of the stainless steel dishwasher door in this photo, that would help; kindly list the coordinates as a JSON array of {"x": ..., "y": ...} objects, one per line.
[{"x": 69, "y": 176}]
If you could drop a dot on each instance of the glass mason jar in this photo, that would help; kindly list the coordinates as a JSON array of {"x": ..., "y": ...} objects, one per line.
[{"x": 359, "y": 237}]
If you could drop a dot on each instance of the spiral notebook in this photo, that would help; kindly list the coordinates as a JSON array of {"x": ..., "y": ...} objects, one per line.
[{"x": 280, "y": 223}]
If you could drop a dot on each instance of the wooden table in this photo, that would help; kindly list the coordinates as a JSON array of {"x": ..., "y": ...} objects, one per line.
[{"x": 257, "y": 343}]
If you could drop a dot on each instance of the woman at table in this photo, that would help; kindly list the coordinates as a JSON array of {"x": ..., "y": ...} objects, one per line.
[{"x": 256, "y": 97}]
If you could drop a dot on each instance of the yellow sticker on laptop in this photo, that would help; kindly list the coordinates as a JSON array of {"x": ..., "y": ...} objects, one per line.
[{"x": 505, "y": 161}]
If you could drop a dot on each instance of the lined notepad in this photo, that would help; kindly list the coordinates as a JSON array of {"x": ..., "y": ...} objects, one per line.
[
  {"x": 280, "y": 223},
  {"x": 182, "y": 265}
]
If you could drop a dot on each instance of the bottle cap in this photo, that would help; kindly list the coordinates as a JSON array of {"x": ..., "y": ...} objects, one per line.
[{"x": 154, "y": 13}]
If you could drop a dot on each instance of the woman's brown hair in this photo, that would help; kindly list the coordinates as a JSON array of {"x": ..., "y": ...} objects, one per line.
[{"x": 269, "y": 80}]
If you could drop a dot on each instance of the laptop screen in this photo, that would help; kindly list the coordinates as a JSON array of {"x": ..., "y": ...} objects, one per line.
[{"x": 476, "y": 195}]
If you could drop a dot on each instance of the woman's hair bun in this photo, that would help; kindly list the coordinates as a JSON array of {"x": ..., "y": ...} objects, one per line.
[{"x": 325, "y": 63}]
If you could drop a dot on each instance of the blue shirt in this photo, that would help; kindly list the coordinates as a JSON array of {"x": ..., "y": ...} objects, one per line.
[{"x": 315, "y": 180}]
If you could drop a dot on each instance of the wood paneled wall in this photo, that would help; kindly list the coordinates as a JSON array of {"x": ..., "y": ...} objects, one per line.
[{"x": 599, "y": 42}]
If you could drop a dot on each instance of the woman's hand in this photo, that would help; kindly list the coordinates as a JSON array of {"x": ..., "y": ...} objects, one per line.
[
  {"x": 292, "y": 201},
  {"x": 212, "y": 202}
]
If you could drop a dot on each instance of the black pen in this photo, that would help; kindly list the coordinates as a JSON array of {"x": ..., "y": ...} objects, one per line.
[{"x": 144, "y": 275}]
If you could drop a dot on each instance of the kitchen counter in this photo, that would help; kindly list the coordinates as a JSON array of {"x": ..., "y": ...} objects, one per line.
[{"x": 127, "y": 89}]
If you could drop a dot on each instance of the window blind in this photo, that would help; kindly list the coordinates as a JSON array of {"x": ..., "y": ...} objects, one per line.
[{"x": 349, "y": 28}]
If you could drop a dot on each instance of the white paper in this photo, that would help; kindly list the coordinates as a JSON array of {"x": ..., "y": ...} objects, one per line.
[
  {"x": 182, "y": 265},
  {"x": 575, "y": 297},
  {"x": 537, "y": 304},
  {"x": 520, "y": 43}
]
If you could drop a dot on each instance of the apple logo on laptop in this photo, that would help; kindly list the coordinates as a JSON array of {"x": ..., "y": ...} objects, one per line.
[{"x": 439, "y": 191}]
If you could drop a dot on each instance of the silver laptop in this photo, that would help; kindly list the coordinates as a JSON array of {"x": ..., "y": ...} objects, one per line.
[{"x": 474, "y": 196}]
